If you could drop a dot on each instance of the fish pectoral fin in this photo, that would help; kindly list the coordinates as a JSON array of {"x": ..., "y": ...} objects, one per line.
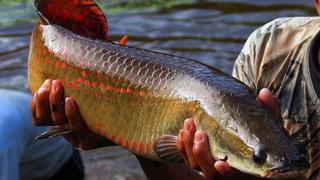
[
  {"x": 166, "y": 149},
  {"x": 55, "y": 131}
]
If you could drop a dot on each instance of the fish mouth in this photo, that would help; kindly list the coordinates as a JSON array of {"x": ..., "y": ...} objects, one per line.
[{"x": 292, "y": 169}]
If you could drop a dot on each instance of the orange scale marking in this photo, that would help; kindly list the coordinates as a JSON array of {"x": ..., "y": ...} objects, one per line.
[
  {"x": 126, "y": 143},
  {"x": 57, "y": 64},
  {"x": 123, "y": 90},
  {"x": 142, "y": 93},
  {"x": 133, "y": 146},
  {"x": 63, "y": 65},
  {"x": 102, "y": 86},
  {"x": 129, "y": 90},
  {"x": 120, "y": 140},
  {"x": 84, "y": 73},
  {"x": 68, "y": 84},
  {"x": 80, "y": 80},
  {"x": 109, "y": 87},
  {"x": 74, "y": 84},
  {"x": 87, "y": 83}
]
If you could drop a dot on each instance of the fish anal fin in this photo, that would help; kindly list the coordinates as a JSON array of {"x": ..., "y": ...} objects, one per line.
[
  {"x": 82, "y": 17},
  {"x": 166, "y": 149}
]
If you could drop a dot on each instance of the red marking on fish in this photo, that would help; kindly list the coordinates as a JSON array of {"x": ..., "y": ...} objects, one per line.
[
  {"x": 68, "y": 84},
  {"x": 123, "y": 90},
  {"x": 109, "y": 87},
  {"x": 129, "y": 90},
  {"x": 98, "y": 127},
  {"x": 84, "y": 73},
  {"x": 63, "y": 65},
  {"x": 142, "y": 93},
  {"x": 74, "y": 84},
  {"x": 46, "y": 60},
  {"x": 87, "y": 83},
  {"x": 57, "y": 64},
  {"x": 126, "y": 143},
  {"x": 44, "y": 52},
  {"x": 36, "y": 58},
  {"x": 120, "y": 140},
  {"x": 102, "y": 86},
  {"x": 80, "y": 80},
  {"x": 133, "y": 146}
]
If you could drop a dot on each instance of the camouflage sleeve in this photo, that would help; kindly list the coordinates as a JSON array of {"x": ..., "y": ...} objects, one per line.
[
  {"x": 256, "y": 53},
  {"x": 245, "y": 67}
]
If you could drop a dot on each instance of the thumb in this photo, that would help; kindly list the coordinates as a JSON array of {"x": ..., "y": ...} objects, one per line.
[{"x": 265, "y": 96}]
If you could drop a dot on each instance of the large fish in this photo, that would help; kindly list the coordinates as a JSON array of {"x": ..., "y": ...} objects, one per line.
[{"x": 139, "y": 99}]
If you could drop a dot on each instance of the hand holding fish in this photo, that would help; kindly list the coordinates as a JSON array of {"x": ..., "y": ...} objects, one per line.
[
  {"x": 49, "y": 108},
  {"x": 194, "y": 146}
]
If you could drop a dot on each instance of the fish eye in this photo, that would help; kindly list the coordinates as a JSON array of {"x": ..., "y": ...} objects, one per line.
[{"x": 259, "y": 156}]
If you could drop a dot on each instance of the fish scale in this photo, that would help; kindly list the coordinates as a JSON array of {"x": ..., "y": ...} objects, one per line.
[{"x": 139, "y": 99}]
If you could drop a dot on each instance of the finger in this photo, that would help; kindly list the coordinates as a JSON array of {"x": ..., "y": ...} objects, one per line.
[
  {"x": 188, "y": 137},
  {"x": 35, "y": 120},
  {"x": 73, "y": 115},
  {"x": 180, "y": 146},
  {"x": 265, "y": 96},
  {"x": 57, "y": 103},
  {"x": 203, "y": 155},
  {"x": 42, "y": 102}
]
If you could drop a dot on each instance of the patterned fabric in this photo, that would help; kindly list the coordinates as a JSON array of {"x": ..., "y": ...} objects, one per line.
[{"x": 277, "y": 56}]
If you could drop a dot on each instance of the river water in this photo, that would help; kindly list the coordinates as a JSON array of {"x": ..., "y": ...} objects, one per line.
[{"x": 211, "y": 31}]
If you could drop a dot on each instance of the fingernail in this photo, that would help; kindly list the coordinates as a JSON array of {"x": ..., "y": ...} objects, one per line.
[
  {"x": 198, "y": 137},
  {"x": 46, "y": 83},
  {"x": 44, "y": 86},
  {"x": 265, "y": 90}
]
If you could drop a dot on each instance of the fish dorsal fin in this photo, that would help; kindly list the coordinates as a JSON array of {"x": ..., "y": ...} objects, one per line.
[
  {"x": 82, "y": 17},
  {"x": 166, "y": 149}
]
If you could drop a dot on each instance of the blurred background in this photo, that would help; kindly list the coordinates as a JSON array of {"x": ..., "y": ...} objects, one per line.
[{"x": 211, "y": 31}]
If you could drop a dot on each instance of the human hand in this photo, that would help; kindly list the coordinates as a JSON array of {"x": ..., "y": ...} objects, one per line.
[
  {"x": 49, "y": 107},
  {"x": 194, "y": 146}
]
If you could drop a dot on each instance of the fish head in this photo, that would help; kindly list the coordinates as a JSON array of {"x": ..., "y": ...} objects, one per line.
[
  {"x": 250, "y": 140},
  {"x": 273, "y": 156}
]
